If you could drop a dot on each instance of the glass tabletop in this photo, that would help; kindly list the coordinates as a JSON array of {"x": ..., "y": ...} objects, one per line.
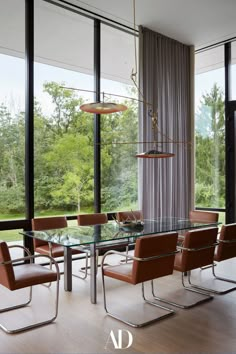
[{"x": 84, "y": 235}]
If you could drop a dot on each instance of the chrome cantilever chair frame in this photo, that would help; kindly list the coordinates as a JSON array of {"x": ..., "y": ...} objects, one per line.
[
  {"x": 37, "y": 324},
  {"x": 192, "y": 287},
  {"x": 129, "y": 257},
  {"x": 219, "y": 292},
  {"x": 222, "y": 278}
]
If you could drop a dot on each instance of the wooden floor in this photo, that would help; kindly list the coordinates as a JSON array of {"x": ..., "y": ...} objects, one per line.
[{"x": 84, "y": 328}]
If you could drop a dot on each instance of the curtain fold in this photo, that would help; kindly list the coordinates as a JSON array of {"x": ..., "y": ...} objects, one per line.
[{"x": 165, "y": 184}]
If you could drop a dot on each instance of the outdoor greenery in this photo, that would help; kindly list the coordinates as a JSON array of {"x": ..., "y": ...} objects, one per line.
[
  {"x": 64, "y": 148},
  {"x": 210, "y": 150}
]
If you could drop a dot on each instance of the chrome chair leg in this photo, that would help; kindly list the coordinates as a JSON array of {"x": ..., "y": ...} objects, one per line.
[
  {"x": 85, "y": 271},
  {"x": 214, "y": 291},
  {"x": 209, "y": 266},
  {"x": 189, "y": 288},
  {"x": 18, "y": 306},
  {"x": 37, "y": 324},
  {"x": 132, "y": 324},
  {"x": 221, "y": 278}
]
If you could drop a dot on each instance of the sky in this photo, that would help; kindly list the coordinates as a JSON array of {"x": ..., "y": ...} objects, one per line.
[{"x": 12, "y": 78}]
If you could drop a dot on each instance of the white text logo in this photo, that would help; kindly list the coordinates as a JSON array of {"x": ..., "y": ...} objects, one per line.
[{"x": 123, "y": 340}]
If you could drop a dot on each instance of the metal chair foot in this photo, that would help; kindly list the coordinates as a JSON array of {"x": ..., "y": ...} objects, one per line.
[{"x": 207, "y": 297}]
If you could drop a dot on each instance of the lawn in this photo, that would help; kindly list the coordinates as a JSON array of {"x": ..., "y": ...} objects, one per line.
[{"x": 13, "y": 235}]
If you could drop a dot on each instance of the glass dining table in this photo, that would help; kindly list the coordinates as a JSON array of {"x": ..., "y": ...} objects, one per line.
[{"x": 94, "y": 237}]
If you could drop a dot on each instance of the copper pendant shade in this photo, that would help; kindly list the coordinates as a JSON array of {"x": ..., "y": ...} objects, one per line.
[
  {"x": 155, "y": 154},
  {"x": 103, "y": 107}
]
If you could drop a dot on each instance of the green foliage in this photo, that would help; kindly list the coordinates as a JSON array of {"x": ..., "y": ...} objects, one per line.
[
  {"x": 210, "y": 150},
  {"x": 64, "y": 157}
]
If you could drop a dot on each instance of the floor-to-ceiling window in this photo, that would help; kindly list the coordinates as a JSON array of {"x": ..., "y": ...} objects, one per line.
[
  {"x": 12, "y": 118},
  {"x": 63, "y": 166},
  {"x": 12, "y": 122},
  {"x": 63, "y": 133},
  {"x": 119, "y": 131},
  {"x": 210, "y": 129}
]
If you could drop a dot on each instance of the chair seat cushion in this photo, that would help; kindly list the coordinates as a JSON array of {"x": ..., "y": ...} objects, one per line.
[
  {"x": 32, "y": 274},
  {"x": 121, "y": 272},
  {"x": 57, "y": 250}
]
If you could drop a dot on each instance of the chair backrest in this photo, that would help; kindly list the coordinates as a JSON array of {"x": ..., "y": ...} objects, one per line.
[
  {"x": 92, "y": 219},
  {"x": 203, "y": 216},
  {"x": 7, "y": 277},
  {"x": 149, "y": 246},
  {"x": 198, "y": 239},
  {"x": 122, "y": 216},
  {"x": 226, "y": 250},
  {"x": 56, "y": 222}
]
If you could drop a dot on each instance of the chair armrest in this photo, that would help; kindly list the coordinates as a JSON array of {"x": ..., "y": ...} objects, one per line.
[
  {"x": 22, "y": 247},
  {"x": 137, "y": 258},
  {"x": 227, "y": 241},
  {"x": 30, "y": 258},
  {"x": 197, "y": 249}
]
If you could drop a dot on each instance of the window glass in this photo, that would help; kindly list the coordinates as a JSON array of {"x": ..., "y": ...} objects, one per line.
[
  {"x": 63, "y": 133},
  {"x": 210, "y": 129},
  {"x": 233, "y": 72},
  {"x": 12, "y": 117},
  {"x": 119, "y": 131},
  {"x": 12, "y": 236}
]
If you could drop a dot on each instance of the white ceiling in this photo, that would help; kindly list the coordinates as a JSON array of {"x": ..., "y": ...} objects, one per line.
[{"x": 196, "y": 22}]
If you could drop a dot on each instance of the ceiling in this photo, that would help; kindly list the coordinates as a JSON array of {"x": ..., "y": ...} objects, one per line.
[{"x": 196, "y": 22}]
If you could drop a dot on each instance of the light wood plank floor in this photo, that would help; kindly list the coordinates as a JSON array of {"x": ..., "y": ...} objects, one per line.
[{"x": 84, "y": 328}]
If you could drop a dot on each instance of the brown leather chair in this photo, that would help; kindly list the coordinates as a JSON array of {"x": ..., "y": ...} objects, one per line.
[
  {"x": 122, "y": 216},
  {"x": 99, "y": 219},
  {"x": 199, "y": 216},
  {"x": 25, "y": 275},
  {"x": 203, "y": 216},
  {"x": 226, "y": 250},
  {"x": 92, "y": 219},
  {"x": 153, "y": 258},
  {"x": 52, "y": 249},
  {"x": 197, "y": 251}
]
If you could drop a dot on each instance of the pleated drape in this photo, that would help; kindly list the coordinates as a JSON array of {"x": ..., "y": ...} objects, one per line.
[{"x": 165, "y": 184}]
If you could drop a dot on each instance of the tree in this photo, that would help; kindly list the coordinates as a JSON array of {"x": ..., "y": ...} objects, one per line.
[{"x": 210, "y": 150}]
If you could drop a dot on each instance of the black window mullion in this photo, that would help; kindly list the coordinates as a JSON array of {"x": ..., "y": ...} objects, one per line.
[
  {"x": 97, "y": 118},
  {"x": 29, "y": 112}
]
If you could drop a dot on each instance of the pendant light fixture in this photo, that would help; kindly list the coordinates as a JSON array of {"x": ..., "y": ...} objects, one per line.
[
  {"x": 103, "y": 107},
  {"x": 154, "y": 153}
]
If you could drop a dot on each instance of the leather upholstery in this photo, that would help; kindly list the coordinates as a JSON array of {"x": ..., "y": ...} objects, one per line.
[
  {"x": 32, "y": 274},
  {"x": 7, "y": 277},
  {"x": 226, "y": 250},
  {"x": 128, "y": 215},
  {"x": 188, "y": 260},
  {"x": 57, "y": 250},
  {"x": 199, "y": 216},
  {"x": 203, "y": 216},
  {"x": 41, "y": 246},
  {"x": 141, "y": 271},
  {"x": 24, "y": 275},
  {"x": 96, "y": 219},
  {"x": 39, "y": 224},
  {"x": 92, "y": 219}
]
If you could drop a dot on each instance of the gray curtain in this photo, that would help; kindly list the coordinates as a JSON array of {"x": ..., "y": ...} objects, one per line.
[{"x": 165, "y": 184}]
